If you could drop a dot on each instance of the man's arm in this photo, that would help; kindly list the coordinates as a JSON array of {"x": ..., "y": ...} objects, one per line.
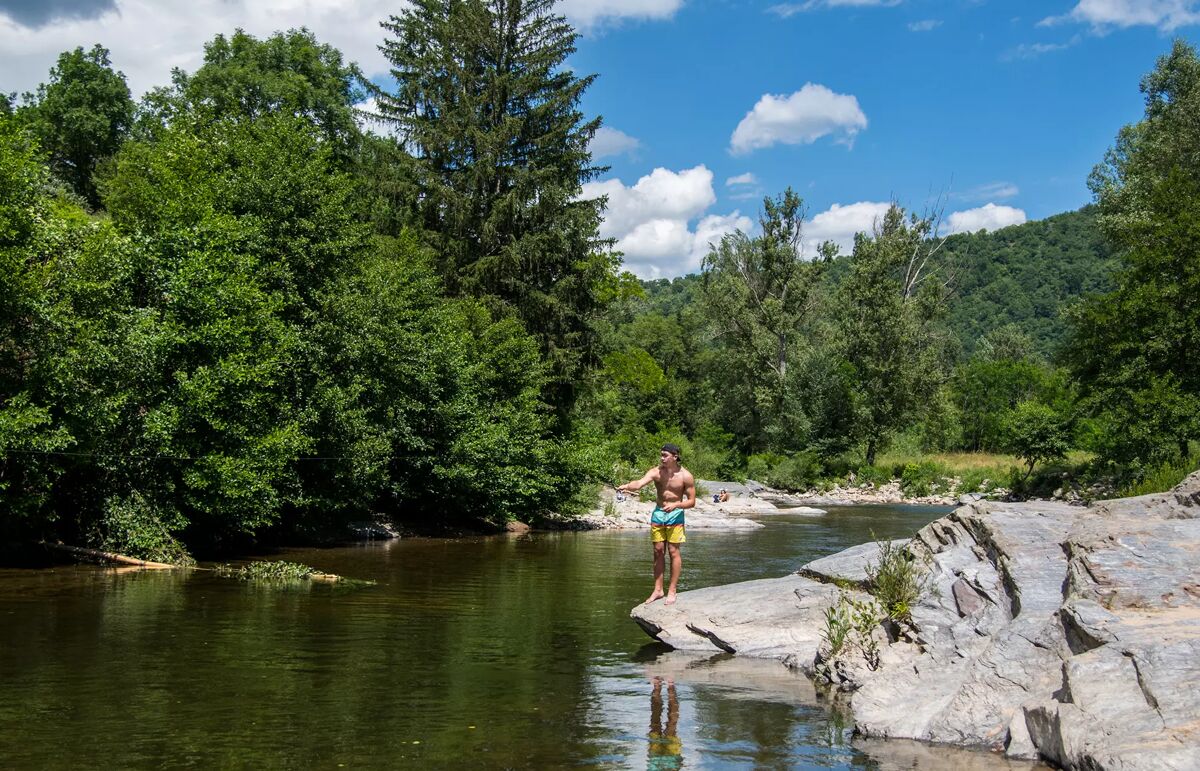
[
  {"x": 689, "y": 493},
  {"x": 631, "y": 487}
]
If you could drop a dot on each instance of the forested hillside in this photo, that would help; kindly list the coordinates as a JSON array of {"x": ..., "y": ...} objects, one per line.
[{"x": 1026, "y": 275}]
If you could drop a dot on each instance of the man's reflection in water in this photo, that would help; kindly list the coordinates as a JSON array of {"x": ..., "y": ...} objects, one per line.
[{"x": 665, "y": 751}]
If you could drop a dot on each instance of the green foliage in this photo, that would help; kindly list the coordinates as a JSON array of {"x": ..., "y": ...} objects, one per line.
[
  {"x": 1163, "y": 478},
  {"x": 896, "y": 581},
  {"x": 276, "y": 571},
  {"x": 1135, "y": 349},
  {"x": 131, "y": 525},
  {"x": 500, "y": 156},
  {"x": 80, "y": 117},
  {"x": 919, "y": 479},
  {"x": 244, "y": 78},
  {"x": 888, "y": 302},
  {"x": 797, "y": 472},
  {"x": 1036, "y": 433},
  {"x": 850, "y": 625},
  {"x": 975, "y": 481},
  {"x": 756, "y": 292},
  {"x": 873, "y": 475},
  {"x": 1020, "y": 277}
]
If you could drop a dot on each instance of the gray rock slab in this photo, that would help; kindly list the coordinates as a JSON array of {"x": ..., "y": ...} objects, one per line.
[
  {"x": 849, "y": 566},
  {"x": 778, "y": 618}
]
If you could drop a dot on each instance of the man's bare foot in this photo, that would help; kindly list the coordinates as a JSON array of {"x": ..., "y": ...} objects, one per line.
[
  {"x": 655, "y": 595},
  {"x": 670, "y": 599}
]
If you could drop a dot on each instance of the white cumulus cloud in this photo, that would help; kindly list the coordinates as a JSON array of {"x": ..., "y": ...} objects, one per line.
[
  {"x": 742, "y": 179},
  {"x": 840, "y": 223},
  {"x": 652, "y": 220},
  {"x": 801, "y": 118},
  {"x": 586, "y": 14},
  {"x": 987, "y": 217},
  {"x": 149, "y": 37},
  {"x": 1167, "y": 15},
  {"x": 610, "y": 141}
]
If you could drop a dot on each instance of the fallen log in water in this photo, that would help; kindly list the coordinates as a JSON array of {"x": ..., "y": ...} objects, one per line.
[{"x": 106, "y": 556}]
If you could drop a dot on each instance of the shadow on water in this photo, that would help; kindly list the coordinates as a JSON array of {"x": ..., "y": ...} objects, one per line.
[{"x": 491, "y": 652}]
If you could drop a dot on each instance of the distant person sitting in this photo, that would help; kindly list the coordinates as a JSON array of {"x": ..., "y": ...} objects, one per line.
[{"x": 724, "y": 495}]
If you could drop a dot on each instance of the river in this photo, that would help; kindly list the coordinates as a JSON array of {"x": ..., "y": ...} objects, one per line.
[{"x": 488, "y": 652}]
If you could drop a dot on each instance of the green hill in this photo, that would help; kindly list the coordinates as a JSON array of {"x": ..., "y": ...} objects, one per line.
[{"x": 1025, "y": 275}]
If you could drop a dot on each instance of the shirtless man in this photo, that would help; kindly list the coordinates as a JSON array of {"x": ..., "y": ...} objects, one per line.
[{"x": 676, "y": 492}]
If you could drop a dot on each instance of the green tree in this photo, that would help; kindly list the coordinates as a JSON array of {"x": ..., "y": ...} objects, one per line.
[
  {"x": 242, "y": 77},
  {"x": 81, "y": 116},
  {"x": 758, "y": 292},
  {"x": 1035, "y": 433},
  {"x": 1136, "y": 350},
  {"x": 888, "y": 304},
  {"x": 492, "y": 115}
]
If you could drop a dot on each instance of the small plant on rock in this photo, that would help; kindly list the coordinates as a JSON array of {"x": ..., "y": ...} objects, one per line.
[
  {"x": 896, "y": 581},
  {"x": 850, "y": 626}
]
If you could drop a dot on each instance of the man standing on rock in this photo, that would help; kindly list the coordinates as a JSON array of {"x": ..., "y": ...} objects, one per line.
[{"x": 676, "y": 492}]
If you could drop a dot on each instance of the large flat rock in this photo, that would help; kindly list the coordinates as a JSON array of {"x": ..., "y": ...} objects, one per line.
[
  {"x": 1044, "y": 631},
  {"x": 772, "y": 618}
]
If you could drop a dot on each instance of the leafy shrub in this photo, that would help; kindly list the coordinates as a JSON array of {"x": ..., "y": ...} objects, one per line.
[
  {"x": 874, "y": 475},
  {"x": 798, "y": 472},
  {"x": 1161, "y": 479},
  {"x": 919, "y": 478},
  {"x": 974, "y": 481},
  {"x": 896, "y": 581},
  {"x": 1036, "y": 434},
  {"x": 759, "y": 465}
]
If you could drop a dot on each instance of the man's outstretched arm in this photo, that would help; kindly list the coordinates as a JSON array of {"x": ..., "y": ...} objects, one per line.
[{"x": 630, "y": 487}]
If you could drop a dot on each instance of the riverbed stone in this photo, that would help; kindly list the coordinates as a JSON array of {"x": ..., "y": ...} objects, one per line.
[
  {"x": 634, "y": 514},
  {"x": 1045, "y": 630}
]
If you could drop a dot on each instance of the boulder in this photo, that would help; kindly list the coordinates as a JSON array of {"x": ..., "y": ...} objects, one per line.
[{"x": 1045, "y": 631}]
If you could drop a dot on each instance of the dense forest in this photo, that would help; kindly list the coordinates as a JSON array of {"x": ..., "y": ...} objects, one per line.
[{"x": 229, "y": 312}]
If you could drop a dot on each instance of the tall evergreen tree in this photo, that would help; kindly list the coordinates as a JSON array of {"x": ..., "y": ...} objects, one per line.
[
  {"x": 484, "y": 103},
  {"x": 1136, "y": 350}
]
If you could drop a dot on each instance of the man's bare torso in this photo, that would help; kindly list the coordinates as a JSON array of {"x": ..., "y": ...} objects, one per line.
[{"x": 672, "y": 484}]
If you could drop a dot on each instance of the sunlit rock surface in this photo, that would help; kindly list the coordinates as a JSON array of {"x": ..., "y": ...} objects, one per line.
[{"x": 1047, "y": 630}]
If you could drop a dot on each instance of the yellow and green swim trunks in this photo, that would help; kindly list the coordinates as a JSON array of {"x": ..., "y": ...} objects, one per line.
[{"x": 667, "y": 526}]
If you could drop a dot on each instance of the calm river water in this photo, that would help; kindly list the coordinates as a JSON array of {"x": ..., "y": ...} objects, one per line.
[{"x": 488, "y": 652}]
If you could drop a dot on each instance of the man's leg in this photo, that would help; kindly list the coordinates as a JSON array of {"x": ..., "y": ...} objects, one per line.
[
  {"x": 659, "y": 552},
  {"x": 676, "y": 567}
]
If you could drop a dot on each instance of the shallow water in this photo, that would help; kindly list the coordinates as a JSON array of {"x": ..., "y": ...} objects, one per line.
[{"x": 489, "y": 652}]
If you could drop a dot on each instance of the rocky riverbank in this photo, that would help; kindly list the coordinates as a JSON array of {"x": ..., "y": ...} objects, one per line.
[
  {"x": 1045, "y": 630},
  {"x": 630, "y": 513}
]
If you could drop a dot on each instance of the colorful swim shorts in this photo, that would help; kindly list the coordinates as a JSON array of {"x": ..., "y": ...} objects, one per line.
[{"x": 667, "y": 526}]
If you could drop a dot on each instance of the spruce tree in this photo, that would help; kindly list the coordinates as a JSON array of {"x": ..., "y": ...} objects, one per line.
[{"x": 492, "y": 117}]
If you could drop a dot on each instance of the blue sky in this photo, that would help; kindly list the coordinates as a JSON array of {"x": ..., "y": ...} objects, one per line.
[{"x": 992, "y": 111}]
